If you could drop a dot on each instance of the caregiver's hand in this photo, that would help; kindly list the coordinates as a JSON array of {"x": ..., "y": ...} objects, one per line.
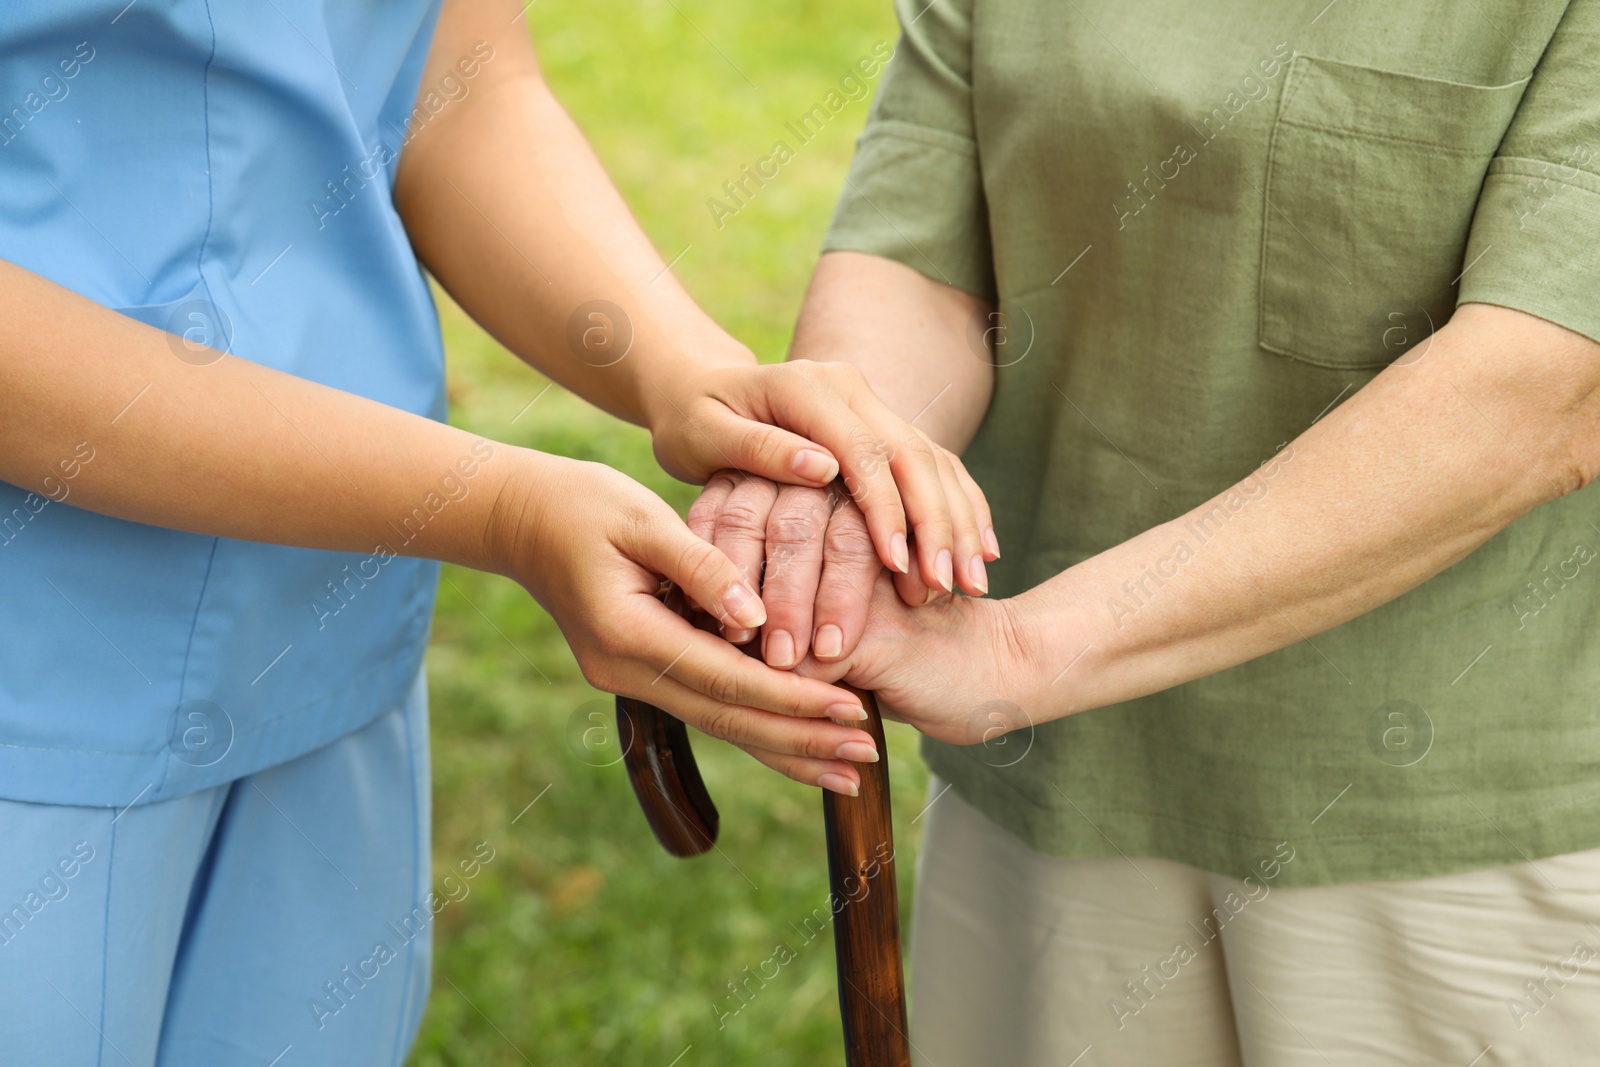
[
  {"x": 762, "y": 420},
  {"x": 595, "y": 568}
]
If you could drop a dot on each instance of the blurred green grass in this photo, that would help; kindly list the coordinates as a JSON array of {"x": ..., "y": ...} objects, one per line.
[{"x": 582, "y": 942}]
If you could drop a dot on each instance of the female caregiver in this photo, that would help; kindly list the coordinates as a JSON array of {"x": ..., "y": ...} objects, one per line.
[
  {"x": 212, "y": 746},
  {"x": 1284, "y": 412}
]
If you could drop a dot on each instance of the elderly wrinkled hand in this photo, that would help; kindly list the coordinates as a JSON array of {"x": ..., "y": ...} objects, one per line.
[{"x": 810, "y": 553}]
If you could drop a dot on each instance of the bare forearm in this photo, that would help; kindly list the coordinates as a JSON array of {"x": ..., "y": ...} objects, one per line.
[
  {"x": 509, "y": 208},
  {"x": 1410, "y": 475},
  {"x": 226, "y": 447},
  {"x": 911, "y": 336}
]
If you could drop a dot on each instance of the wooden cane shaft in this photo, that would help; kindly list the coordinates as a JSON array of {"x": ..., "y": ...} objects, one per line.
[{"x": 866, "y": 922}]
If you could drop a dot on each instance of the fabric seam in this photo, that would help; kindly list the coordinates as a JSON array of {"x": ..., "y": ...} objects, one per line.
[
  {"x": 188, "y": 655},
  {"x": 105, "y": 944},
  {"x": 897, "y": 129},
  {"x": 416, "y": 865},
  {"x": 1355, "y": 131}
]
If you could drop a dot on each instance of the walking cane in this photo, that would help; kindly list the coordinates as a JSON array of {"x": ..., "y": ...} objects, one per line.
[{"x": 860, "y": 831}]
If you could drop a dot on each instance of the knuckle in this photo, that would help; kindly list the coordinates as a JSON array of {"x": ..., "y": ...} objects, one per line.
[
  {"x": 726, "y": 687},
  {"x": 849, "y": 544},
  {"x": 599, "y": 669},
  {"x": 863, "y": 442},
  {"x": 722, "y": 481},
  {"x": 847, "y": 375},
  {"x": 637, "y": 521},
  {"x": 795, "y": 529},
  {"x": 919, "y": 449},
  {"x": 720, "y": 722},
  {"x": 741, "y": 517},
  {"x": 766, "y": 449},
  {"x": 698, "y": 565},
  {"x": 818, "y": 745},
  {"x": 702, "y": 515}
]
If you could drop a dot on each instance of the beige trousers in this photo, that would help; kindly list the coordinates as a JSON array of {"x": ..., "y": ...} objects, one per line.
[{"x": 1021, "y": 959}]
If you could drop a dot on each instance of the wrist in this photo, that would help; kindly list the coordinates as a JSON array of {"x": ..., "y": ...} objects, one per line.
[
  {"x": 514, "y": 515},
  {"x": 671, "y": 380},
  {"x": 1057, "y": 652}
]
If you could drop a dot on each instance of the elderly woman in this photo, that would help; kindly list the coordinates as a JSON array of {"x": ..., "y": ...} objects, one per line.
[{"x": 1270, "y": 331}]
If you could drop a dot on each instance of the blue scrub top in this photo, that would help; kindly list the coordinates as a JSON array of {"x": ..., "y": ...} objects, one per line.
[{"x": 221, "y": 170}]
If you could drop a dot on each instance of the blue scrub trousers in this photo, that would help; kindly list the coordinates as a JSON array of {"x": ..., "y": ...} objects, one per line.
[{"x": 275, "y": 920}]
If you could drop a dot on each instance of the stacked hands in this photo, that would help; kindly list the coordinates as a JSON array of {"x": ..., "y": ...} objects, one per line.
[
  {"x": 835, "y": 612},
  {"x": 840, "y": 550}
]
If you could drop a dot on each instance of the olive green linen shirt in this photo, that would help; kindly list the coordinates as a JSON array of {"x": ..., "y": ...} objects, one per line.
[{"x": 1208, "y": 223}]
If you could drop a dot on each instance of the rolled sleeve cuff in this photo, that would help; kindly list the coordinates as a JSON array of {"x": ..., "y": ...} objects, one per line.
[
  {"x": 1533, "y": 244},
  {"x": 914, "y": 195}
]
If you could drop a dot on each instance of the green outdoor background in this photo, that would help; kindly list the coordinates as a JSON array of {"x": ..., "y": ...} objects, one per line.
[{"x": 582, "y": 942}]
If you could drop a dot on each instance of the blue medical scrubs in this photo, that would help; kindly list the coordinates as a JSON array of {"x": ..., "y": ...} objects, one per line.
[{"x": 221, "y": 170}]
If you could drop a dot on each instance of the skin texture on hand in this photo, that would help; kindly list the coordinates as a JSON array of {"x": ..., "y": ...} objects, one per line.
[{"x": 808, "y": 552}]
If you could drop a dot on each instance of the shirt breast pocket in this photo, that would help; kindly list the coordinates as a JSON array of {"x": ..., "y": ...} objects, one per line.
[{"x": 1372, "y": 180}]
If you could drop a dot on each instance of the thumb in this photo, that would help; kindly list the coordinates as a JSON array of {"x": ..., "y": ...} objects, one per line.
[
  {"x": 769, "y": 451},
  {"x": 706, "y": 575}
]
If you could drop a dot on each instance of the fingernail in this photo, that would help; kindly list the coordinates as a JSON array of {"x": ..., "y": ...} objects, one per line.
[
  {"x": 857, "y": 752},
  {"x": 933, "y": 594},
  {"x": 990, "y": 543},
  {"x": 897, "y": 551},
  {"x": 743, "y": 606},
  {"x": 814, "y": 466},
  {"x": 848, "y": 712},
  {"x": 780, "y": 649},
  {"x": 736, "y": 636},
  {"x": 978, "y": 575},
  {"x": 942, "y": 564},
  {"x": 829, "y": 642},
  {"x": 838, "y": 783}
]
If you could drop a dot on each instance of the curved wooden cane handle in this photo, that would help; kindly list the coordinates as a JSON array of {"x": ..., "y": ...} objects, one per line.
[
  {"x": 861, "y": 872},
  {"x": 666, "y": 779}
]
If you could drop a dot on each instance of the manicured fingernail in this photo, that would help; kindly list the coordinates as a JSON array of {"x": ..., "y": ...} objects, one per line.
[
  {"x": 990, "y": 543},
  {"x": 847, "y": 712},
  {"x": 943, "y": 566},
  {"x": 829, "y": 642},
  {"x": 897, "y": 551},
  {"x": 838, "y": 783},
  {"x": 780, "y": 649},
  {"x": 743, "y": 606},
  {"x": 857, "y": 752},
  {"x": 736, "y": 636},
  {"x": 814, "y": 466},
  {"x": 978, "y": 575}
]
